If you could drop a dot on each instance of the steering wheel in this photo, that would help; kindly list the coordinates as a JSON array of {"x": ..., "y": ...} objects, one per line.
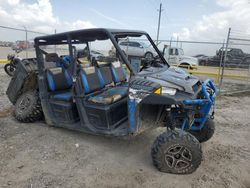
[{"x": 156, "y": 62}]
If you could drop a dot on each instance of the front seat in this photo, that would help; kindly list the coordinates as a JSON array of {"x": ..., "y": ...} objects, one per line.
[
  {"x": 118, "y": 73},
  {"x": 94, "y": 87}
]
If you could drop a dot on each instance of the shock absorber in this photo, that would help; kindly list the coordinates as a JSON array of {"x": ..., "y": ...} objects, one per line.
[{"x": 170, "y": 120}]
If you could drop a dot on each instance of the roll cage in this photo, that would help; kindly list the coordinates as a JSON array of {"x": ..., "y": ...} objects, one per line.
[{"x": 90, "y": 35}]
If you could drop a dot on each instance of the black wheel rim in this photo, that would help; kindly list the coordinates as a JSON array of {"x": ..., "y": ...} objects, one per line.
[
  {"x": 247, "y": 60},
  {"x": 10, "y": 70},
  {"x": 23, "y": 105},
  {"x": 178, "y": 157}
]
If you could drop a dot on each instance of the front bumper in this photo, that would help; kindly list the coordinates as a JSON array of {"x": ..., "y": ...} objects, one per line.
[{"x": 208, "y": 95}]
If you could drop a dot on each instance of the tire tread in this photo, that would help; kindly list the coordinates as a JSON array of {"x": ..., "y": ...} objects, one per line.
[
  {"x": 175, "y": 136},
  {"x": 34, "y": 114}
]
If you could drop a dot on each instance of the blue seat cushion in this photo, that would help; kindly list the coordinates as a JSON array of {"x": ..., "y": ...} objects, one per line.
[
  {"x": 92, "y": 79},
  {"x": 63, "y": 96},
  {"x": 109, "y": 96},
  {"x": 118, "y": 72},
  {"x": 58, "y": 79}
]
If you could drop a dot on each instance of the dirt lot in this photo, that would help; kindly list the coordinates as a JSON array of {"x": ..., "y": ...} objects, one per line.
[{"x": 36, "y": 155}]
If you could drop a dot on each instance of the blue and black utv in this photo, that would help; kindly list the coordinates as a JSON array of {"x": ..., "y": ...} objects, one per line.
[{"x": 82, "y": 80}]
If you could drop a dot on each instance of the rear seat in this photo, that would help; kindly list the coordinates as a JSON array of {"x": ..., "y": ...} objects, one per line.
[
  {"x": 59, "y": 83},
  {"x": 58, "y": 78},
  {"x": 93, "y": 80},
  {"x": 53, "y": 60}
]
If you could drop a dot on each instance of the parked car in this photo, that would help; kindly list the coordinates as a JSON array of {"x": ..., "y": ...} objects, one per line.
[
  {"x": 235, "y": 58},
  {"x": 234, "y": 54},
  {"x": 199, "y": 56},
  {"x": 93, "y": 53},
  {"x": 176, "y": 56},
  {"x": 140, "y": 49},
  {"x": 202, "y": 59}
]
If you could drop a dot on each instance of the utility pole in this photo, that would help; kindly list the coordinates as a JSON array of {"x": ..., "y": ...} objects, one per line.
[
  {"x": 55, "y": 45},
  {"x": 26, "y": 41},
  {"x": 159, "y": 24}
]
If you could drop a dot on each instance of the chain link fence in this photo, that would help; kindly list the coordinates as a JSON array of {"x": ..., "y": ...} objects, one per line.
[
  {"x": 235, "y": 67},
  {"x": 226, "y": 62},
  {"x": 18, "y": 41},
  {"x": 202, "y": 51}
]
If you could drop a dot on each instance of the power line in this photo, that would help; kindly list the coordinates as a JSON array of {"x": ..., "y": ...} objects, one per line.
[{"x": 17, "y": 29}]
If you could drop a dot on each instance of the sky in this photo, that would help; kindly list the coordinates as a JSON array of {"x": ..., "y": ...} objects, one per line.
[{"x": 200, "y": 20}]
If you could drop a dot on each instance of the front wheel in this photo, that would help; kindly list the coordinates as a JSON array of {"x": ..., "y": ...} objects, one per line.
[
  {"x": 9, "y": 69},
  {"x": 205, "y": 133},
  {"x": 177, "y": 152}
]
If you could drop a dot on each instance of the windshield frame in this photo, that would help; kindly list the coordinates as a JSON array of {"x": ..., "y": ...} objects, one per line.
[{"x": 116, "y": 36}]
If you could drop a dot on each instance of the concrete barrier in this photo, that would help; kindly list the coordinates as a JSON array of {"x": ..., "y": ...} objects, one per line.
[
  {"x": 4, "y": 61},
  {"x": 234, "y": 73}
]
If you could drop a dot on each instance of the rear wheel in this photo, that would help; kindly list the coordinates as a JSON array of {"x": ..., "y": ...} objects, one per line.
[
  {"x": 205, "y": 133},
  {"x": 247, "y": 61},
  {"x": 28, "y": 107},
  {"x": 9, "y": 69},
  {"x": 185, "y": 65},
  {"x": 176, "y": 152}
]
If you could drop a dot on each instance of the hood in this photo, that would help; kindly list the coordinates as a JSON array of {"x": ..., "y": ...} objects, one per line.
[{"x": 175, "y": 78}]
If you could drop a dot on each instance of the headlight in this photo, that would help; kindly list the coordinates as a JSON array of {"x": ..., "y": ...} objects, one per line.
[
  {"x": 167, "y": 90},
  {"x": 158, "y": 91}
]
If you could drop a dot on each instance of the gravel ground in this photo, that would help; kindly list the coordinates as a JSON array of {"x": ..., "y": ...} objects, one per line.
[{"x": 37, "y": 155}]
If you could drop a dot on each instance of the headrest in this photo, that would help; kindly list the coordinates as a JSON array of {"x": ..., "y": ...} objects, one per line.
[
  {"x": 89, "y": 70},
  {"x": 58, "y": 79},
  {"x": 52, "y": 57},
  {"x": 56, "y": 70},
  {"x": 66, "y": 59},
  {"x": 116, "y": 64},
  {"x": 82, "y": 53},
  {"x": 118, "y": 72}
]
